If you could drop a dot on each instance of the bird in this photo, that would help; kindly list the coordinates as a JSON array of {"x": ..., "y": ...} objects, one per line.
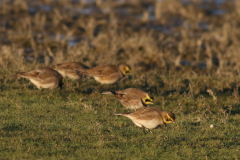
[
  {"x": 43, "y": 77},
  {"x": 149, "y": 118},
  {"x": 70, "y": 70},
  {"x": 108, "y": 74},
  {"x": 132, "y": 98}
]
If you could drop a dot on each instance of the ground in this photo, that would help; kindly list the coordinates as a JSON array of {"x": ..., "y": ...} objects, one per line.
[{"x": 186, "y": 54}]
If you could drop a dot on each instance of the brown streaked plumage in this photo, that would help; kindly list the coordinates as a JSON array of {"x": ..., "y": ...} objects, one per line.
[
  {"x": 43, "y": 77},
  {"x": 70, "y": 69},
  {"x": 132, "y": 98},
  {"x": 108, "y": 74},
  {"x": 149, "y": 117}
]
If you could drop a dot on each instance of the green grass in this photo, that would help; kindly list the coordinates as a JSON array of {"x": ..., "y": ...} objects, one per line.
[
  {"x": 187, "y": 57},
  {"x": 78, "y": 123}
]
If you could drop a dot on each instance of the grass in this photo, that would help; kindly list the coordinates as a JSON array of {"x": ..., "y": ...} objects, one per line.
[
  {"x": 186, "y": 54},
  {"x": 71, "y": 124}
]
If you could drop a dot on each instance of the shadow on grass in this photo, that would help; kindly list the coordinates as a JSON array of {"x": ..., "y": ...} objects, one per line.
[
  {"x": 13, "y": 127},
  {"x": 86, "y": 91}
]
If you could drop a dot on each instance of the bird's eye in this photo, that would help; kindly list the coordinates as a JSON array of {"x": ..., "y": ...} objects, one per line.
[
  {"x": 148, "y": 100},
  {"x": 127, "y": 70}
]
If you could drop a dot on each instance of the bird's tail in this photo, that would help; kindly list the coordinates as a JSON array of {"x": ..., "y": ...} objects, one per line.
[
  {"x": 118, "y": 114},
  {"x": 19, "y": 74},
  {"x": 121, "y": 114},
  {"x": 109, "y": 92}
]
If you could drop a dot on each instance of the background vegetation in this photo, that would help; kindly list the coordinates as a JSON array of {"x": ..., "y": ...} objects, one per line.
[{"x": 186, "y": 53}]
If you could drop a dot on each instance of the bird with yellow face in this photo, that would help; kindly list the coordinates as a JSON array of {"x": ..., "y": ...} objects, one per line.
[
  {"x": 132, "y": 98},
  {"x": 108, "y": 74},
  {"x": 149, "y": 118}
]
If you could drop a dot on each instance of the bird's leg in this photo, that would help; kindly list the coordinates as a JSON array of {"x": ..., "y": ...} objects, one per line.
[
  {"x": 123, "y": 78},
  {"x": 149, "y": 130},
  {"x": 143, "y": 128},
  {"x": 117, "y": 86},
  {"x": 108, "y": 85},
  {"x": 101, "y": 87},
  {"x": 135, "y": 108}
]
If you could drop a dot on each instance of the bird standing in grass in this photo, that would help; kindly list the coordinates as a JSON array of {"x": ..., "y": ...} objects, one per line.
[
  {"x": 70, "y": 70},
  {"x": 149, "y": 118},
  {"x": 43, "y": 77},
  {"x": 108, "y": 74},
  {"x": 132, "y": 98}
]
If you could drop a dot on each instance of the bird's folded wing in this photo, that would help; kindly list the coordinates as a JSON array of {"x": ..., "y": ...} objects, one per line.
[
  {"x": 146, "y": 113},
  {"x": 103, "y": 70}
]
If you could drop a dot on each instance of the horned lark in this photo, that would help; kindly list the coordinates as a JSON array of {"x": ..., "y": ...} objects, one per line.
[
  {"x": 108, "y": 74},
  {"x": 43, "y": 77},
  {"x": 132, "y": 98},
  {"x": 70, "y": 69},
  {"x": 149, "y": 117}
]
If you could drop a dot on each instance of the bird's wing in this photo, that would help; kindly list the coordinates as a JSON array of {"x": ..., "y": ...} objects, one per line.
[
  {"x": 145, "y": 113},
  {"x": 101, "y": 71}
]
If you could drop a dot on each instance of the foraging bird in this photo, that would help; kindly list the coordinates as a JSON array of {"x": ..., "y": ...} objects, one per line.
[
  {"x": 70, "y": 69},
  {"x": 149, "y": 118},
  {"x": 132, "y": 98},
  {"x": 43, "y": 77},
  {"x": 108, "y": 74}
]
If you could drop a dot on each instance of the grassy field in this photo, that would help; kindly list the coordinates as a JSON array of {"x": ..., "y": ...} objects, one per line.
[
  {"x": 185, "y": 54},
  {"x": 78, "y": 123}
]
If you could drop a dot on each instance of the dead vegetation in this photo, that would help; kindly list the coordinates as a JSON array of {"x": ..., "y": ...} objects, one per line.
[
  {"x": 185, "y": 53},
  {"x": 148, "y": 35}
]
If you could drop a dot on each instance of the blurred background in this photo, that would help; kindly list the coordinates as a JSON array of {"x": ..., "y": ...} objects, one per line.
[{"x": 200, "y": 36}]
